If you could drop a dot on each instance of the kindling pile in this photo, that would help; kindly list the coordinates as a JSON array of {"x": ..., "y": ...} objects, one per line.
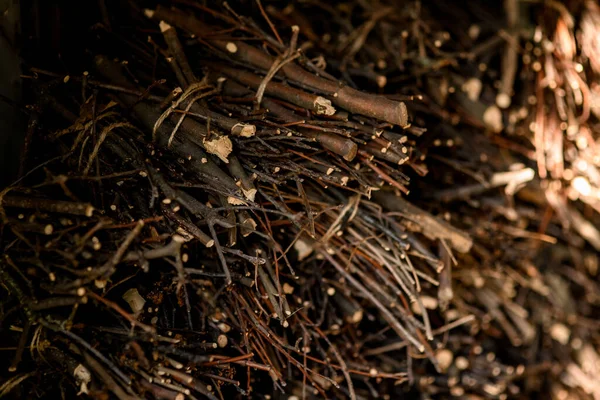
[{"x": 308, "y": 200}]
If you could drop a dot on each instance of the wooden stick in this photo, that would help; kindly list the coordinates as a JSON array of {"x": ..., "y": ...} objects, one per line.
[{"x": 433, "y": 227}]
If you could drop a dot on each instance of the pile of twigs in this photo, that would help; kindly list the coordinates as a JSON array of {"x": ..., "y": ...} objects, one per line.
[{"x": 310, "y": 201}]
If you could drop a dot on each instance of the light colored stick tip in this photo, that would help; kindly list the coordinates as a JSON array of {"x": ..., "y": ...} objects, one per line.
[
  {"x": 222, "y": 341},
  {"x": 492, "y": 118},
  {"x": 303, "y": 248},
  {"x": 351, "y": 152},
  {"x": 221, "y": 147},
  {"x": 250, "y": 194},
  {"x": 403, "y": 115},
  {"x": 444, "y": 358},
  {"x": 134, "y": 299},
  {"x": 472, "y": 87},
  {"x": 356, "y": 317},
  {"x": 322, "y": 106},
  {"x": 248, "y": 131},
  {"x": 561, "y": 333},
  {"x": 243, "y": 130},
  {"x": 503, "y": 100},
  {"x": 210, "y": 243},
  {"x": 287, "y": 288},
  {"x": 164, "y": 26},
  {"x": 231, "y": 47},
  {"x": 149, "y": 13}
]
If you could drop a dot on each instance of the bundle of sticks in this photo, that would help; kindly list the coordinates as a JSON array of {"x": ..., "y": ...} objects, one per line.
[{"x": 225, "y": 200}]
